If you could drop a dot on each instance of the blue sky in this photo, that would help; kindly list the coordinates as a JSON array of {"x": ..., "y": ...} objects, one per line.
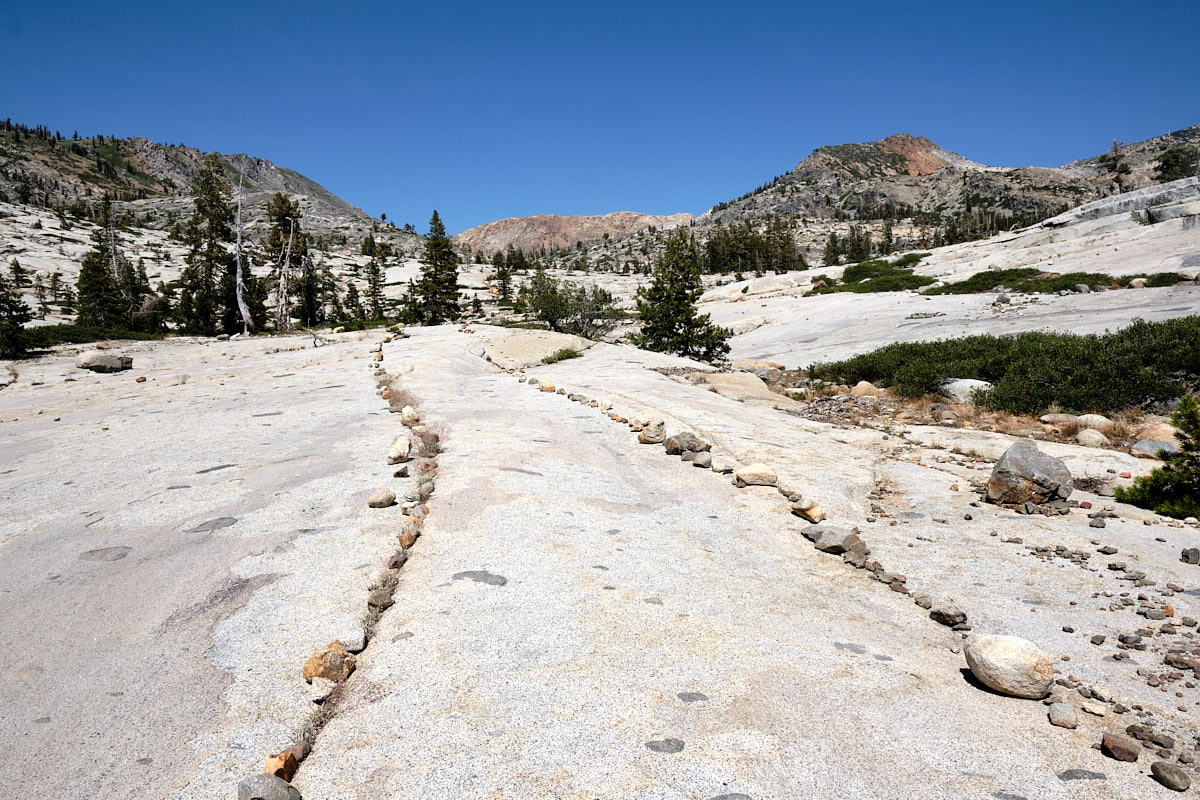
[{"x": 490, "y": 110}]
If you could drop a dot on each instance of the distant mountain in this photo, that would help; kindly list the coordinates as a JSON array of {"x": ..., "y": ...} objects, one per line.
[
  {"x": 555, "y": 232},
  {"x": 152, "y": 183},
  {"x": 903, "y": 175}
]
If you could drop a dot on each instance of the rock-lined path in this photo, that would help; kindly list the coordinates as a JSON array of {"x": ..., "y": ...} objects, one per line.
[{"x": 585, "y": 617}]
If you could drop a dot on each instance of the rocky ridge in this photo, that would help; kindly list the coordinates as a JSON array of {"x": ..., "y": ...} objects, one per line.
[{"x": 556, "y": 232}]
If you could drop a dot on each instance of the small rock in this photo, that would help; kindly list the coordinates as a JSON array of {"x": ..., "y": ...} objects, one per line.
[
  {"x": 809, "y": 510},
  {"x": 382, "y": 499},
  {"x": 756, "y": 475},
  {"x": 960, "y": 390},
  {"x": 1170, "y": 776},
  {"x": 266, "y": 787},
  {"x": 685, "y": 442},
  {"x": 1011, "y": 665},
  {"x": 864, "y": 389},
  {"x": 332, "y": 663},
  {"x": 835, "y": 541},
  {"x": 1150, "y": 449},
  {"x": 1095, "y": 709},
  {"x": 399, "y": 450},
  {"x": 1120, "y": 747},
  {"x": 654, "y": 432},
  {"x": 282, "y": 765},
  {"x": 1063, "y": 716},
  {"x": 321, "y": 689},
  {"x": 103, "y": 362},
  {"x": 1098, "y": 522},
  {"x": 409, "y": 416},
  {"x": 702, "y": 460}
]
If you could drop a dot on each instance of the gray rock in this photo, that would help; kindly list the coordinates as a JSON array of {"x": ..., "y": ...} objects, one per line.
[
  {"x": 1170, "y": 776},
  {"x": 264, "y": 786},
  {"x": 1010, "y": 665},
  {"x": 685, "y": 442},
  {"x": 1090, "y": 437},
  {"x": 833, "y": 540},
  {"x": 1083, "y": 288},
  {"x": 702, "y": 460},
  {"x": 97, "y": 361},
  {"x": 948, "y": 615},
  {"x": 1063, "y": 716},
  {"x": 1025, "y": 474},
  {"x": 1150, "y": 449},
  {"x": 960, "y": 389}
]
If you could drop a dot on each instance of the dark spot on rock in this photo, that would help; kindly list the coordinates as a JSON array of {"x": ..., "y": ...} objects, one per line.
[
  {"x": 692, "y": 697},
  {"x": 178, "y": 486},
  {"x": 214, "y": 469},
  {"x": 1081, "y": 775},
  {"x": 522, "y": 471},
  {"x": 44, "y": 720},
  {"x": 481, "y": 576},
  {"x": 1007, "y": 796},
  {"x": 145, "y": 761},
  {"x": 910, "y": 515},
  {"x": 654, "y": 601},
  {"x": 611, "y": 531},
  {"x": 853, "y": 648},
  {"x": 213, "y": 525},
  {"x": 600, "y": 566},
  {"x": 404, "y": 635},
  {"x": 735, "y": 796},
  {"x": 115, "y": 694},
  {"x": 284, "y": 375},
  {"x": 268, "y": 414},
  {"x": 106, "y": 554},
  {"x": 881, "y": 657},
  {"x": 666, "y": 745}
]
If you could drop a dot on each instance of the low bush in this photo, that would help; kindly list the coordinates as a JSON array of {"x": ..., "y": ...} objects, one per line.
[
  {"x": 44, "y": 336},
  {"x": 561, "y": 355},
  {"x": 1030, "y": 280},
  {"x": 1146, "y": 363}
]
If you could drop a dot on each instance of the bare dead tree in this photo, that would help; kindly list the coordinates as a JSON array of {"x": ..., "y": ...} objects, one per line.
[
  {"x": 247, "y": 320},
  {"x": 283, "y": 313}
]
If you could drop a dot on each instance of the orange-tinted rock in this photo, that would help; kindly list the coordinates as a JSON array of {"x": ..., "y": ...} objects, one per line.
[{"x": 332, "y": 663}]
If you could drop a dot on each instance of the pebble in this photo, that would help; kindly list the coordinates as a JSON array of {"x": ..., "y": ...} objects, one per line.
[{"x": 1063, "y": 716}]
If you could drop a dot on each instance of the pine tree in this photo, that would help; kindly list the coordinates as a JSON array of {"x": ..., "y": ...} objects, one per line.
[
  {"x": 1173, "y": 489},
  {"x": 667, "y": 307},
  {"x": 374, "y": 295},
  {"x": 503, "y": 275},
  {"x": 353, "y": 304},
  {"x": 102, "y": 303},
  {"x": 13, "y": 316},
  {"x": 209, "y": 280},
  {"x": 433, "y": 299},
  {"x": 287, "y": 240},
  {"x": 368, "y": 245}
]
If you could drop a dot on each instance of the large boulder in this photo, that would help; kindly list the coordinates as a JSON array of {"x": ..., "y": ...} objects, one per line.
[
  {"x": 960, "y": 389},
  {"x": 1149, "y": 449},
  {"x": 1025, "y": 474},
  {"x": 103, "y": 362},
  {"x": 1010, "y": 665},
  {"x": 1090, "y": 437}
]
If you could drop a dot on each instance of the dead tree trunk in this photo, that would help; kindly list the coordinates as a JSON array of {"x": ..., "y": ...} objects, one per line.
[
  {"x": 283, "y": 313},
  {"x": 247, "y": 320}
]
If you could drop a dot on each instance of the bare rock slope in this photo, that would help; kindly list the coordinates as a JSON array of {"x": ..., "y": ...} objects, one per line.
[{"x": 553, "y": 231}]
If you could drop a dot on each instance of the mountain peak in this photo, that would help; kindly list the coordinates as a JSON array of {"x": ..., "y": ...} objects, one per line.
[{"x": 898, "y": 154}]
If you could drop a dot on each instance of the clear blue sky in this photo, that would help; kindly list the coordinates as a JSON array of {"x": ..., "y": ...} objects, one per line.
[{"x": 490, "y": 110}]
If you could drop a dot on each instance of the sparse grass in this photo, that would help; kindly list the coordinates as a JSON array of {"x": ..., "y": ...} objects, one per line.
[
  {"x": 317, "y": 720},
  {"x": 561, "y": 355}
]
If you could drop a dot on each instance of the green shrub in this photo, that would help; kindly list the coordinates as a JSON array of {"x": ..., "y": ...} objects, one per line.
[
  {"x": 1026, "y": 280},
  {"x": 1143, "y": 364},
  {"x": 878, "y": 276},
  {"x": 50, "y": 335},
  {"x": 1173, "y": 489},
  {"x": 561, "y": 355}
]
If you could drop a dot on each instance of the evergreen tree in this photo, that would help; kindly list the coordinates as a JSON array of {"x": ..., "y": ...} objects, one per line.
[
  {"x": 667, "y": 307},
  {"x": 433, "y": 299},
  {"x": 375, "y": 290},
  {"x": 18, "y": 273},
  {"x": 102, "y": 303},
  {"x": 832, "y": 251},
  {"x": 1176, "y": 163},
  {"x": 286, "y": 230},
  {"x": 353, "y": 304},
  {"x": 368, "y": 245},
  {"x": 209, "y": 280},
  {"x": 13, "y": 316},
  {"x": 1173, "y": 489},
  {"x": 503, "y": 275}
]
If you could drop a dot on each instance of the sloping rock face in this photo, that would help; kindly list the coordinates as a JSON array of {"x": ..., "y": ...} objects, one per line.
[
  {"x": 1025, "y": 474},
  {"x": 555, "y": 232}
]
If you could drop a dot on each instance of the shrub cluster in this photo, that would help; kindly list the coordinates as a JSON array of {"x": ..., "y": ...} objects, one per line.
[
  {"x": 45, "y": 336},
  {"x": 1032, "y": 280},
  {"x": 879, "y": 275},
  {"x": 1173, "y": 489},
  {"x": 1144, "y": 364}
]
